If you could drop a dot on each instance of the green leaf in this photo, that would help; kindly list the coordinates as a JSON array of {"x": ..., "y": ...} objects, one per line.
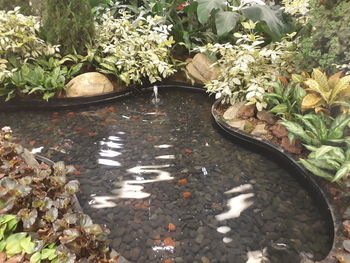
[
  {"x": 2, "y": 245},
  {"x": 35, "y": 258},
  {"x": 297, "y": 130},
  {"x": 48, "y": 95},
  {"x": 27, "y": 245},
  {"x": 315, "y": 170},
  {"x": 205, "y": 7},
  {"x": 280, "y": 108},
  {"x": 225, "y": 21},
  {"x": 299, "y": 94},
  {"x": 48, "y": 253},
  {"x": 336, "y": 131},
  {"x": 324, "y": 165},
  {"x": 342, "y": 172},
  {"x": 266, "y": 14}
]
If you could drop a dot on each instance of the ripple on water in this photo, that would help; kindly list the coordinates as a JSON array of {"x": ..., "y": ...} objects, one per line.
[{"x": 143, "y": 166}]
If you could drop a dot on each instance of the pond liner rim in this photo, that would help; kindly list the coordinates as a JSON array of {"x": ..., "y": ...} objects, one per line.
[
  {"x": 77, "y": 102},
  {"x": 313, "y": 186},
  {"x": 321, "y": 192}
]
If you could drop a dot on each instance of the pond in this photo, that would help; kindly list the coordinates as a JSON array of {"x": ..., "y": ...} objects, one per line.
[{"x": 170, "y": 187}]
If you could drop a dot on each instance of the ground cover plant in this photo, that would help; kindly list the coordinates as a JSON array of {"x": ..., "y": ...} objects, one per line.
[{"x": 38, "y": 219}]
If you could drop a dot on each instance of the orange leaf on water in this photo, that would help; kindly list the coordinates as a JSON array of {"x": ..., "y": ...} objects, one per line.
[
  {"x": 171, "y": 227},
  {"x": 182, "y": 181},
  {"x": 169, "y": 242},
  {"x": 187, "y": 194},
  {"x": 188, "y": 151}
]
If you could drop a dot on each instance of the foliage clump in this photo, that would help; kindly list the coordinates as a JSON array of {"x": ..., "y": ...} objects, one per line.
[
  {"x": 70, "y": 24},
  {"x": 19, "y": 37},
  {"x": 133, "y": 49},
  {"x": 39, "y": 199},
  {"x": 326, "y": 40},
  {"x": 246, "y": 67}
]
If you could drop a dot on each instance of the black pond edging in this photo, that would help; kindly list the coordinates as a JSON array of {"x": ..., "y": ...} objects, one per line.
[
  {"x": 19, "y": 103},
  {"x": 313, "y": 184}
]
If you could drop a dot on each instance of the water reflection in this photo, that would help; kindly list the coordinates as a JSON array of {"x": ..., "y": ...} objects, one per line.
[
  {"x": 238, "y": 203},
  {"x": 133, "y": 189},
  {"x": 108, "y": 162}
]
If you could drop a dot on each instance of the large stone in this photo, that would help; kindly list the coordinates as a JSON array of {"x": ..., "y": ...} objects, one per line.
[
  {"x": 266, "y": 117},
  {"x": 201, "y": 68},
  {"x": 293, "y": 146},
  {"x": 346, "y": 225},
  {"x": 279, "y": 131},
  {"x": 237, "y": 124},
  {"x": 89, "y": 84},
  {"x": 247, "y": 111},
  {"x": 232, "y": 112},
  {"x": 259, "y": 130}
]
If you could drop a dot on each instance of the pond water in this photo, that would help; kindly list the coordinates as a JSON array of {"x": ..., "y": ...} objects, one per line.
[{"x": 171, "y": 188}]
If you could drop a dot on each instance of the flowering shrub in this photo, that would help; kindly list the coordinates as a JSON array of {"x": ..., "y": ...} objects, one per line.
[
  {"x": 246, "y": 67},
  {"x": 133, "y": 49},
  {"x": 19, "y": 38}
]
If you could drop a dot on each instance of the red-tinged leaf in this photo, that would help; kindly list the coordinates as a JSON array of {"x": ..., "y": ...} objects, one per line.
[
  {"x": 60, "y": 133},
  {"x": 77, "y": 166},
  {"x": 188, "y": 151},
  {"x": 76, "y": 172},
  {"x": 91, "y": 134},
  {"x": 31, "y": 143},
  {"x": 135, "y": 117},
  {"x": 71, "y": 113},
  {"x": 151, "y": 139},
  {"x": 55, "y": 120},
  {"x": 78, "y": 129}
]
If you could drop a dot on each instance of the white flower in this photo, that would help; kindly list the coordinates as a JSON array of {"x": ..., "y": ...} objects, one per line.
[{"x": 6, "y": 129}]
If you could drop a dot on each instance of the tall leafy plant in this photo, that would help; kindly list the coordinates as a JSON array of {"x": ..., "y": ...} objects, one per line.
[
  {"x": 227, "y": 14},
  {"x": 70, "y": 24}
]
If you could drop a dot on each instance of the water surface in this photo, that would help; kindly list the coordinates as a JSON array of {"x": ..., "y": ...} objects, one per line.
[{"x": 144, "y": 166}]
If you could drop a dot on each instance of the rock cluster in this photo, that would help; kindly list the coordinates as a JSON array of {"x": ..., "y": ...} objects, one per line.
[{"x": 261, "y": 124}]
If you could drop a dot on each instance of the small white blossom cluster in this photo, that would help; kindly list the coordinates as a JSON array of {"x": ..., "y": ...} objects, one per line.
[
  {"x": 246, "y": 68},
  {"x": 133, "y": 48},
  {"x": 6, "y": 129},
  {"x": 19, "y": 37}
]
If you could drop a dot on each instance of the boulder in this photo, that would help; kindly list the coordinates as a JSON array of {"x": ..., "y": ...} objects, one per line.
[
  {"x": 232, "y": 112},
  {"x": 89, "y": 84},
  {"x": 259, "y": 130},
  {"x": 247, "y": 111},
  {"x": 201, "y": 68},
  {"x": 266, "y": 117},
  {"x": 237, "y": 124},
  {"x": 293, "y": 146},
  {"x": 279, "y": 131}
]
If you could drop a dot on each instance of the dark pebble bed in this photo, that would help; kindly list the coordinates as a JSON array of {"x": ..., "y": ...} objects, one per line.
[{"x": 132, "y": 159}]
